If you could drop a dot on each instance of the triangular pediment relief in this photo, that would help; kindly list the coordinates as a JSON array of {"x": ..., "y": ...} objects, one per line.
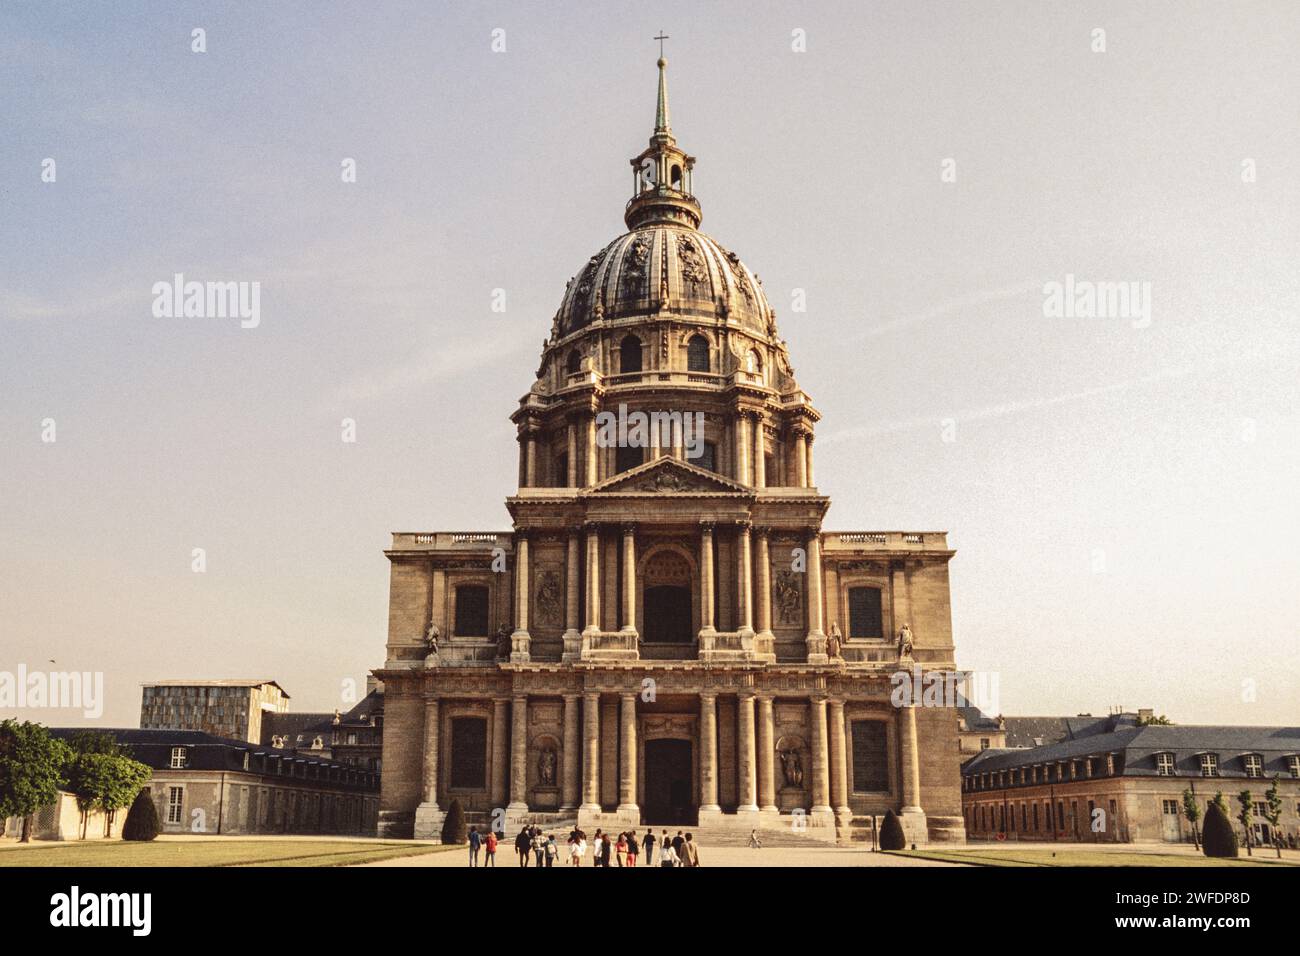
[{"x": 668, "y": 476}]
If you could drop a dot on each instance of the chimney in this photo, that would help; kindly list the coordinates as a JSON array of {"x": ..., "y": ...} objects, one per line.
[{"x": 1145, "y": 714}]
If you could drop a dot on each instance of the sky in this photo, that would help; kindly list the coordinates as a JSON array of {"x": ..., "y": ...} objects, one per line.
[{"x": 1120, "y": 490}]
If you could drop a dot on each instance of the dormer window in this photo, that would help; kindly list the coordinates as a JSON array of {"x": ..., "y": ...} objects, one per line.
[
  {"x": 1254, "y": 765},
  {"x": 1209, "y": 765},
  {"x": 1293, "y": 762},
  {"x": 1165, "y": 765},
  {"x": 180, "y": 758}
]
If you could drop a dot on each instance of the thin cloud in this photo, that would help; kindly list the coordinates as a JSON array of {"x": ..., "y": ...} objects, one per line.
[{"x": 951, "y": 306}]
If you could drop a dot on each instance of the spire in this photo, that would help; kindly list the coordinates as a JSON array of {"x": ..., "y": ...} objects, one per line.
[
  {"x": 661, "y": 174},
  {"x": 663, "y": 125}
]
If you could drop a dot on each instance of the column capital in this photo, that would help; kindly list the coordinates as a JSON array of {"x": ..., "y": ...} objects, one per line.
[
  {"x": 626, "y": 695},
  {"x": 591, "y": 527},
  {"x": 571, "y": 698},
  {"x": 763, "y": 530},
  {"x": 710, "y": 695},
  {"x": 744, "y": 525},
  {"x": 707, "y": 526},
  {"x": 629, "y": 527}
]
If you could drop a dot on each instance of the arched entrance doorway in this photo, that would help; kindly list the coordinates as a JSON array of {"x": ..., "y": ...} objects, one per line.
[{"x": 669, "y": 794}]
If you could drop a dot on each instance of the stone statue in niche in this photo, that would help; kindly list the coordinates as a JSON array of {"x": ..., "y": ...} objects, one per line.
[
  {"x": 431, "y": 637},
  {"x": 546, "y": 763},
  {"x": 834, "y": 641},
  {"x": 787, "y": 597},
  {"x": 905, "y": 642},
  {"x": 791, "y": 767},
  {"x": 503, "y": 642}
]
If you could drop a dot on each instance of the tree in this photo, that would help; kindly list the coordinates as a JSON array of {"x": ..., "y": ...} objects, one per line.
[
  {"x": 102, "y": 777},
  {"x": 142, "y": 819},
  {"x": 1273, "y": 813},
  {"x": 891, "y": 833},
  {"x": 31, "y": 770},
  {"x": 1247, "y": 817},
  {"x": 1217, "y": 839},
  {"x": 453, "y": 827},
  {"x": 1193, "y": 813},
  {"x": 1221, "y": 802},
  {"x": 1161, "y": 721}
]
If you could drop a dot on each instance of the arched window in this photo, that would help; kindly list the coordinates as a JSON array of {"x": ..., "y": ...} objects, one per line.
[
  {"x": 472, "y": 610},
  {"x": 676, "y": 179},
  {"x": 697, "y": 354},
  {"x": 575, "y": 362},
  {"x": 630, "y": 354},
  {"x": 754, "y": 363}
]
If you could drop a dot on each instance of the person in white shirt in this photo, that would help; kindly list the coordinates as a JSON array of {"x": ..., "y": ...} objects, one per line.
[{"x": 667, "y": 855}]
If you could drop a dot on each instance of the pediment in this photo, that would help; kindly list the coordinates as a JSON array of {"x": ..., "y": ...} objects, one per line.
[{"x": 668, "y": 476}]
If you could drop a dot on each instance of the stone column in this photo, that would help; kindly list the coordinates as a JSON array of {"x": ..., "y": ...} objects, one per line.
[
  {"x": 591, "y": 450},
  {"x": 808, "y": 468},
  {"x": 763, "y": 597},
  {"x": 428, "y": 815},
  {"x": 591, "y": 752},
  {"x": 709, "y": 756},
  {"x": 746, "y": 755},
  {"x": 500, "y": 753},
  {"x": 629, "y": 578},
  {"x": 913, "y": 816},
  {"x": 821, "y": 791},
  {"x": 816, "y": 639},
  {"x": 572, "y": 649},
  {"x": 627, "y": 757},
  {"x": 766, "y": 757},
  {"x": 706, "y": 576},
  {"x": 518, "y": 757},
  {"x": 760, "y": 459},
  {"x": 520, "y": 640},
  {"x": 593, "y": 579},
  {"x": 571, "y": 759},
  {"x": 530, "y": 460},
  {"x": 742, "y": 448},
  {"x": 572, "y": 463},
  {"x": 911, "y": 759},
  {"x": 801, "y": 458},
  {"x": 744, "y": 582},
  {"x": 839, "y": 762},
  {"x": 429, "y": 777}
]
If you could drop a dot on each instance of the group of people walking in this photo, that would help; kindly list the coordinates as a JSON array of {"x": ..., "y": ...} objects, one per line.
[{"x": 534, "y": 847}]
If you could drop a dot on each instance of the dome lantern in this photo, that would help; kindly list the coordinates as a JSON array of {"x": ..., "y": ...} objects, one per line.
[{"x": 662, "y": 174}]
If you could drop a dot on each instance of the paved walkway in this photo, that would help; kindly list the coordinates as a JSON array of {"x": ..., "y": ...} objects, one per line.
[{"x": 709, "y": 856}]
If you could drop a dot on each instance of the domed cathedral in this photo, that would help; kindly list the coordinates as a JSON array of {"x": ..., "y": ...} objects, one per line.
[{"x": 667, "y": 635}]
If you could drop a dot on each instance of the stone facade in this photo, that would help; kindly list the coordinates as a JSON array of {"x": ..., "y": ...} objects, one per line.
[{"x": 667, "y": 635}]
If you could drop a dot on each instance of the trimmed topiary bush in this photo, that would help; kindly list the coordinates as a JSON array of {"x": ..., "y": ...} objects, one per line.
[
  {"x": 891, "y": 833},
  {"x": 142, "y": 819},
  {"x": 1217, "y": 837},
  {"x": 453, "y": 826}
]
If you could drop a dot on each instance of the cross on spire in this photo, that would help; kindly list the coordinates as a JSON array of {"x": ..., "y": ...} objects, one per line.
[{"x": 661, "y": 38}]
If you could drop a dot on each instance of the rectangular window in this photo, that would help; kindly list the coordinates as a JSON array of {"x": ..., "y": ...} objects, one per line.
[
  {"x": 175, "y": 804},
  {"x": 1254, "y": 765},
  {"x": 1209, "y": 765},
  {"x": 708, "y": 459},
  {"x": 1170, "y": 807},
  {"x": 627, "y": 457},
  {"x": 1294, "y": 763},
  {"x": 178, "y": 758},
  {"x": 468, "y": 753},
  {"x": 870, "y": 756},
  {"x": 472, "y": 611},
  {"x": 864, "y": 613},
  {"x": 1165, "y": 765}
]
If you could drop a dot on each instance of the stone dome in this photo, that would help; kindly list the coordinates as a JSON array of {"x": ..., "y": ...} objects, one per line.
[{"x": 669, "y": 268}]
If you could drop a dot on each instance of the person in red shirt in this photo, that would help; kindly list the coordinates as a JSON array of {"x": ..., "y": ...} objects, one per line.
[{"x": 490, "y": 844}]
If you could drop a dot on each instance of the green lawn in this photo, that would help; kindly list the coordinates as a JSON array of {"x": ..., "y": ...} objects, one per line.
[
  {"x": 1018, "y": 856},
  {"x": 219, "y": 852}
]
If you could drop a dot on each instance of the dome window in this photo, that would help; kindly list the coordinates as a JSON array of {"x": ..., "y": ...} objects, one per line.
[
  {"x": 574, "y": 365},
  {"x": 630, "y": 354},
  {"x": 754, "y": 364},
  {"x": 676, "y": 178},
  {"x": 697, "y": 354}
]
